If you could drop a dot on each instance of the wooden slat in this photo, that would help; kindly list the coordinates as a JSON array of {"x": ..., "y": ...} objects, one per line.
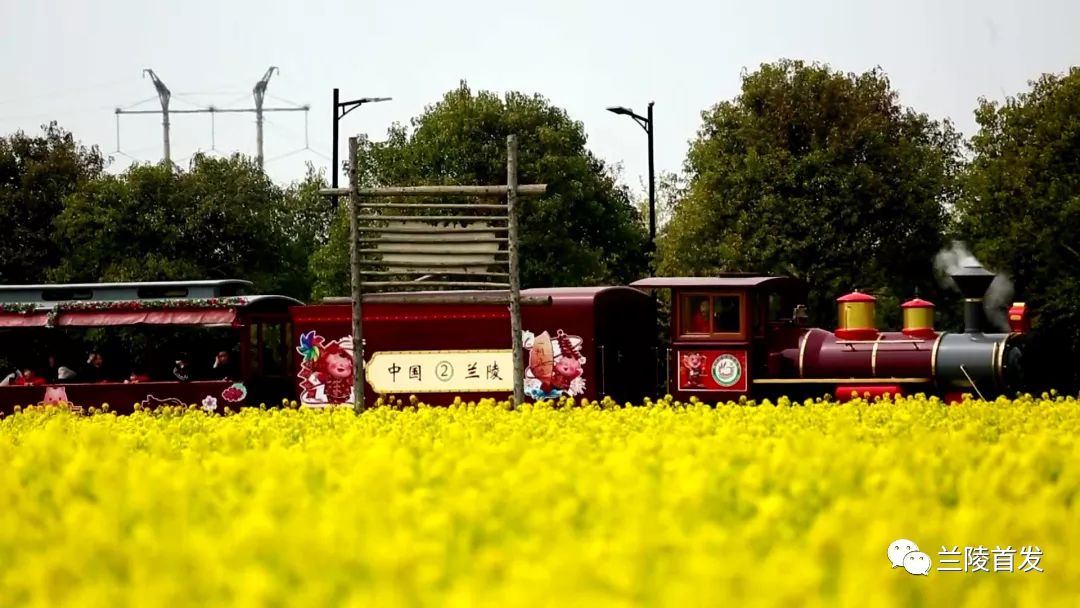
[
  {"x": 429, "y": 271},
  {"x": 528, "y": 190},
  {"x": 435, "y": 284},
  {"x": 445, "y": 297},
  {"x": 446, "y": 219},
  {"x": 432, "y": 264},
  {"x": 406, "y": 250},
  {"x": 432, "y": 230},
  {"x": 432, "y": 206}
]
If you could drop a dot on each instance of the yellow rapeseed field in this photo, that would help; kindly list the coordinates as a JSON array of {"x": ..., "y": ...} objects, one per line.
[{"x": 664, "y": 504}]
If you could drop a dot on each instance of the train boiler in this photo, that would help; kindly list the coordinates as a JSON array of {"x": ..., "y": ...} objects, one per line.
[{"x": 730, "y": 339}]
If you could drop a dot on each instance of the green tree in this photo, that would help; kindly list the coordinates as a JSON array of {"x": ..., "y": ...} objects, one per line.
[
  {"x": 223, "y": 218},
  {"x": 1020, "y": 213},
  {"x": 585, "y": 230},
  {"x": 820, "y": 175},
  {"x": 36, "y": 173}
]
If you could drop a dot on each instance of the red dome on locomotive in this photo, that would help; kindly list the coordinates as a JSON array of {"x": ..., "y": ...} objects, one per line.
[
  {"x": 918, "y": 318},
  {"x": 855, "y": 315}
]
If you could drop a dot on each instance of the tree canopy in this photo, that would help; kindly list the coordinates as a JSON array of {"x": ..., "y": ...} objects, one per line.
[
  {"x": 820, "y": 175},
  {"x": 222, "y": 218},
  {"x": 1021, "y": 209},
  {"x": 36, "y": 174},
  {"x": 585, "y": 230}
]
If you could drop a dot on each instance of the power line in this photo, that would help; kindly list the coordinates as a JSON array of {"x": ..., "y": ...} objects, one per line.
[{"x": 164, "y": 95}]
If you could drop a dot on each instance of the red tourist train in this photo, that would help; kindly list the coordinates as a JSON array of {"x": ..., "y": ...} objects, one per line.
[{"x": 732, "y": 336}]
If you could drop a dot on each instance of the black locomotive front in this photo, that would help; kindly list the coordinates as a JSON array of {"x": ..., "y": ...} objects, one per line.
[{"x": 988, "y": 364}]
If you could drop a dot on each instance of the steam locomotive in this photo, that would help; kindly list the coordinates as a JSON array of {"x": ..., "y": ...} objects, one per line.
[{"x": 731, "y": 336}]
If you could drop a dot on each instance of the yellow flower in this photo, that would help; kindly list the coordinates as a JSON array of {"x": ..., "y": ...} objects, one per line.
[{"x": 571, "y": 502}]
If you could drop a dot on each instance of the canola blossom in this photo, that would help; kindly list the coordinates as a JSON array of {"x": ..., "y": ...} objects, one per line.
[{"x": 543, "y": 505}]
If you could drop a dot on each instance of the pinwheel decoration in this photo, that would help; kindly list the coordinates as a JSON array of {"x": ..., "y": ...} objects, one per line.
[{"x": 310, "y": 346}]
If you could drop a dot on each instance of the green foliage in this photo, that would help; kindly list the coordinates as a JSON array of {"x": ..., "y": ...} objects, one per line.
[
  {"x": 586, "y": 230},
  {"x": 1021, "y": 210},
  {"x": 823, "y": 176},
  {"x": 223, "y": 218},
  {"x": 36, "y": 173}
]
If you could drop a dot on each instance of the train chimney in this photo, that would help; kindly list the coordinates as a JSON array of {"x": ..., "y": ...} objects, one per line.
[{"x": 973, "y": 280}]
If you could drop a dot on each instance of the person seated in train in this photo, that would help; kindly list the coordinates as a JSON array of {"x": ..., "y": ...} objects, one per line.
[
  {"x": 136, "y": 376},
  {"x": 56, "y": 373},
  {"x": 52, "y": 369},
  {"x": 94, "y": 371},
  {"x": 181, "y": 369},
  {"x": 699, "y": 323},
  {"x": 223, "y": 368},
  {"x": 28, "y": 378}
]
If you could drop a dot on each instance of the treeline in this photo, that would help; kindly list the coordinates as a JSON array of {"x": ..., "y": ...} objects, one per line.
[{"x": 809, "y": 172}]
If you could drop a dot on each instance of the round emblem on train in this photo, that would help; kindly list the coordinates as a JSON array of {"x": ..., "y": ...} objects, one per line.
[{"x": 726, "y": 370}]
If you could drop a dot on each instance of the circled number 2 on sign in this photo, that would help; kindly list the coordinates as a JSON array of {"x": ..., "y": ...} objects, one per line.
[{"x": 444, "y": 371}]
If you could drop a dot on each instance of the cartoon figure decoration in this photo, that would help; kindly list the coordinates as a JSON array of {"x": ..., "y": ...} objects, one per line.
[
  {"x": 57, "y": 395},
  {"x": 152, "y": 402},
  {"x": 694, "y": 364},
  {"x": 326, "y": 374},
  {"x": 555, "y": 366}
]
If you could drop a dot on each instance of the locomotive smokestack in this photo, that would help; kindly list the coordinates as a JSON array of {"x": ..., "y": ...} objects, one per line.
[{"x": 973, "y": 280}]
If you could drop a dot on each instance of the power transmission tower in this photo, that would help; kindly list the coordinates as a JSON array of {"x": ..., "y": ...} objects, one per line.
[
  {"x": 164, "y": 95},
  {"x": 260, "y": 92}
]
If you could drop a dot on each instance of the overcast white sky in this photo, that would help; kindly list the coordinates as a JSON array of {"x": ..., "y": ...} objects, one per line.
[{"x": 75, "y": 62}]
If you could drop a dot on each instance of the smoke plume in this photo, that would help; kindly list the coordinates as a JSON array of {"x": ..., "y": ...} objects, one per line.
[{"x": 998, "y": 296}]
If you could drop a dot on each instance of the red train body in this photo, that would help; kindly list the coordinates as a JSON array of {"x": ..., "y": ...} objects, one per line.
[{"x": 731, "y": 336}]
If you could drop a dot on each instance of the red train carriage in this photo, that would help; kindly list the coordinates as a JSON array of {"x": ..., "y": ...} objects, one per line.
[
  {"x": 65, "y": 323},
  {"x": 587, "y": 342}
]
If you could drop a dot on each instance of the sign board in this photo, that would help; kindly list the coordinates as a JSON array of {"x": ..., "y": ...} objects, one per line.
[
  {"x": 441, "y": 371},
  {"x": 712, "y": 370},
  {"x": 473, "y": 250}
]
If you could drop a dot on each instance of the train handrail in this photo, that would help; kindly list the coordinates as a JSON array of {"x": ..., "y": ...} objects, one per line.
[
  {"x": 972, "y": 382},
  {"x": 603, "y": 372}
]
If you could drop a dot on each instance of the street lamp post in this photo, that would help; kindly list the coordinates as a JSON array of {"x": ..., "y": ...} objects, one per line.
[
  {"x": 646, "y": 122},
  {"x": 341, "y": 108}
]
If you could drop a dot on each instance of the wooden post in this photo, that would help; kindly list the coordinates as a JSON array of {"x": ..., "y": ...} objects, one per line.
[
  {"x": 357, "y": 291},
  {"x": 515, "y": 281}
]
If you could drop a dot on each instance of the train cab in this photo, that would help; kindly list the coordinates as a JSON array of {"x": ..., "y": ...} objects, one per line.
[{"x": 724, "y": 329}]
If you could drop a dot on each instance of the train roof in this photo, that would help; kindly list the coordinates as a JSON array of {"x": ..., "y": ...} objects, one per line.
[
  {"x": 215, "y": 302},
  {"x": 531, "y": 296},
  {"x": 723, "y": 281},
  {"x": 124, "y": 291}
]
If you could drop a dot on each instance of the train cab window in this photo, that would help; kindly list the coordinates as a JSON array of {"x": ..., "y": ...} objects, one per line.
[
  {"x": 714, "y": 316},
  {"x": 697, "y": 315},
  {"x": 776, "y": 310},
  {"x": 726, "y": 315}
]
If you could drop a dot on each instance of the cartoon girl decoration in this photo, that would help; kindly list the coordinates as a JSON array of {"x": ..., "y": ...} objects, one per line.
[
  {"x": 555, "y": 366},
  {"x": 326, "y": 374}
]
